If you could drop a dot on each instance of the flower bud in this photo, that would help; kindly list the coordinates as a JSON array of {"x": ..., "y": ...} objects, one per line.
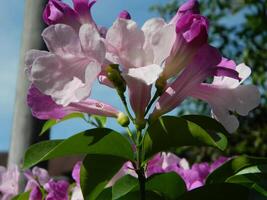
[
  {"x": 124, "y": 15},
  {"x": 58, "y": 12},
  {"x": 123, "y": 119},
  {"x": 190, "y": 6},
  {"x": 114, "y": 75}
]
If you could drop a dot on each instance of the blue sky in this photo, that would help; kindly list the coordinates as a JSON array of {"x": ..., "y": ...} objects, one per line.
[{"x": 11, "y": 21}]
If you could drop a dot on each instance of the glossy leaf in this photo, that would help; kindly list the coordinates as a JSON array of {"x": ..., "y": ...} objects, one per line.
[
  {"x": 95, "y": 141},
  {"x": 232, "y": 167},
  {"x": 170, "y": 131},
  {"x": 221, "y": 191},
  {"x": 96, "y": 172},
  {"x": 207, "y": 123},
  {"x": 52, "y": 122},
  {"x": 169, "y": 185},
  {"x": 123, "y": 186}
]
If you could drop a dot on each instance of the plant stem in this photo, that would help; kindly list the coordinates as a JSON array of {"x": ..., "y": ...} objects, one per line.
[
  {"x": 142, "y": 181},
  {"x": 122, "y": 97},
  {"x": 156, "y": 95},
  {"x": 140, "y": 170}
]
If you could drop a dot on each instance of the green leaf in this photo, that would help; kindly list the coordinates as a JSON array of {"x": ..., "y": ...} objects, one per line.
[
  {"x": 169, "y": 185},
  {"x": 50, "y": 123},
  {"x": 207, "y": 123},
  {"x": 123, "y": 186},
  {"x": 105, "y": 194},
  {"x": 23, "y": 196},
  {"x": 221, "y": 191},
  {"x": 94, "y": 141},
  {"x": 256, "y": 181},
  {"x": 136, "y": 195},
  {"x": 170, "y": 131},
  {"x": 232, "y": 167},
  {"x": 96, "y": 172}
]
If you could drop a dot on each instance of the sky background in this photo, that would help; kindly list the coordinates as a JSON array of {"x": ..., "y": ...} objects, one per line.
[{"x": 11, "y": 21}]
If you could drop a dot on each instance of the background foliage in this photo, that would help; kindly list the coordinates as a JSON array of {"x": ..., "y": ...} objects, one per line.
[{"x": 239, "y": 29}]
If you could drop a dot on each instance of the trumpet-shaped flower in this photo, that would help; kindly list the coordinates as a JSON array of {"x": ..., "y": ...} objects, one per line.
[
  {"x": 191, "y": 35},
  {"x": 204, "y": 65},
  {"x": 43, "y": 106},
  {"x": 57, "y": 12},
  {"x": 68, "y": 70},
  {"x": 227, "y": 96},
  {"x": 140, "y": 52}
]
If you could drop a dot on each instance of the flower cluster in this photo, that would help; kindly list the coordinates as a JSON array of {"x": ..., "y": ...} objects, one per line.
[
  {"x": 193, "y": 176},
  {"x": 174, "y": 56},
  {"x": 42, "y": 186},
  {"x": 39, "y": 184}
]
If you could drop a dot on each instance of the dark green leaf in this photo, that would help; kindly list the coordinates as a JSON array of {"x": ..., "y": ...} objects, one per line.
[
  {"x": 50, "y": 123},
  {"x": 170, "y": 131},
  {"x": 136, "y": 196},
  {"x": 123, "y": 186},
  {"x": 169, "y": 185},
  {"x": 105, "y": 194},
  {"x": 232, "y": 167},
  {"x": 221, "y": 191},
  {"x": 94, "y": 141},
  {"x": 96, "y": 172},
  {"x": 256, "y": 181}
]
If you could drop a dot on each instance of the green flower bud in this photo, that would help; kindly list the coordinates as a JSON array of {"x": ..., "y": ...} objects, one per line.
[
  {"x": 123, "y": 119},
  {"x": 114, "y": 75}
]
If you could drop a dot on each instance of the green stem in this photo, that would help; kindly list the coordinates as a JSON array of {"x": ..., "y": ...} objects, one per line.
[
  {"x": 130, "y": 134},
  {"x": 122, "y": 97},
  {"x": 140, "y": 170},
  {"x": 156, "y": 95},
  {"x": 142, "y": 181}
]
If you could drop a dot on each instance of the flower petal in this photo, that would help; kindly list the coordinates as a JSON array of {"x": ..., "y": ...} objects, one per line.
[
  {"x": 125, "y": 41},
  {"x": 62, "y": 40},
  {"x": 241, "y": 100},
  {"x": 148, "y": 74},
  {"x": 160, "y": 37},
  {"x": 91, "y": 42}
]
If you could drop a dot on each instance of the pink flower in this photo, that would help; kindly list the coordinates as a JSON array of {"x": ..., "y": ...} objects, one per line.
[
  {"x": 67, "y": 72},
  {"x": 57, "y": 190},
  {"x": 37, "y": 177},
  {"x": 43, "y": 106},
  {"x": 190, "y": 6},
  {"x": 57, "y": 12},
  {"x": 76, "y": 172},
  {"x": 226, "y": 96},
  {"x": 191, "y": 35},
  {"x": 202, "y": 67},
  {"x": 62, "y": 78},
  {"x": 140, "y": 52},
  {"x": 9, "y": 182}
]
